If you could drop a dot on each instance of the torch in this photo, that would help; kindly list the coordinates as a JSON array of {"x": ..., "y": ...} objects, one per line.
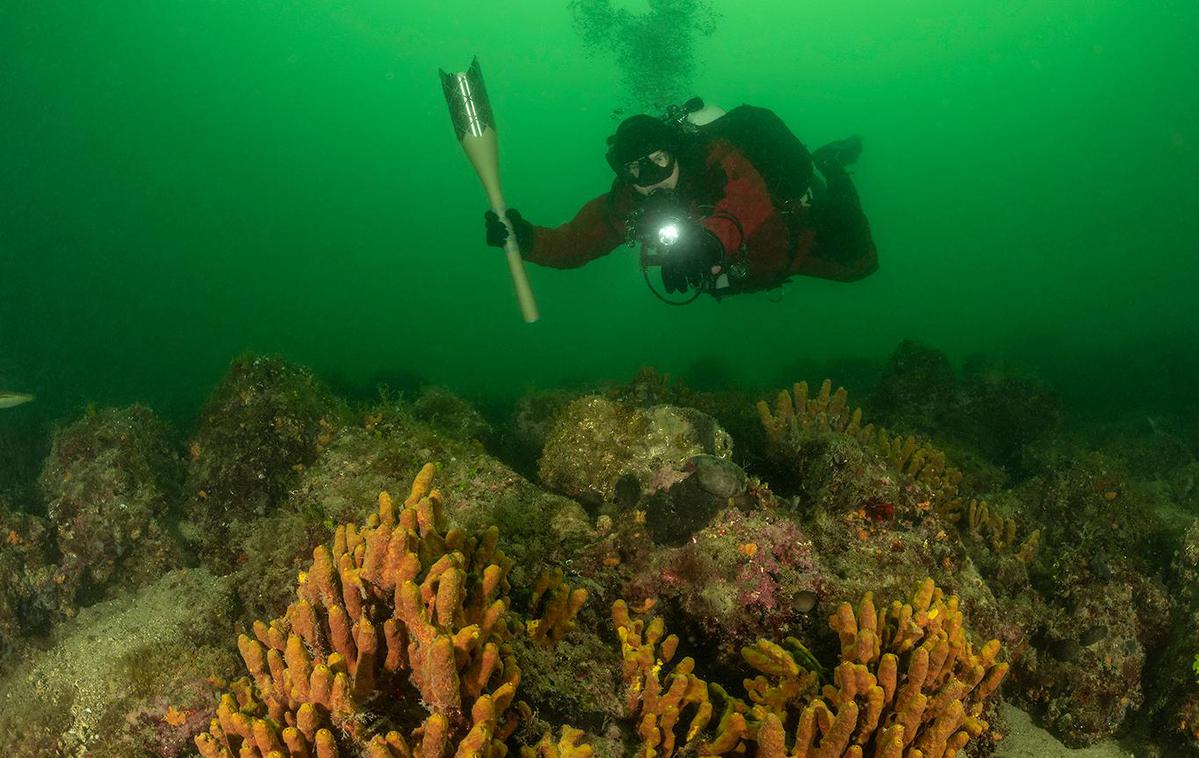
[{"x": 474, "y": 125}]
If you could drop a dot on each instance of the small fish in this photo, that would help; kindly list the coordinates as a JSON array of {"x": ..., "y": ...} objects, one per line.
[
  {"x": 805, "y": 601},
  {"x": 1092, "y": 635},
  {"x": 13, "y": 399},
  {"x": 627, "y": 491},
  {"x": 1065, "y": 650}
]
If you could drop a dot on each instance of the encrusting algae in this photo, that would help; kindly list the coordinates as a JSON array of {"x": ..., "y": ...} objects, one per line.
[
  {"x": 395, "y": 647},
  {"x": 909, "y": 684}
]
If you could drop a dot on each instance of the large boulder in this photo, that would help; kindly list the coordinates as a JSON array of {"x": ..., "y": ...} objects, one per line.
[
  {"x": 31, "y": 599},
  {"x": 748, "y": 575},
  {"x": 343, "y": 483},
  {"x": 916, "y": 390},
  {"x": 109, "y": 485},
  {"x": 266, "y": 421},
  {"x": 595, "y": 442},
  {"x": 1083, "y": 673},
  {"x": 453, "y": 416}
]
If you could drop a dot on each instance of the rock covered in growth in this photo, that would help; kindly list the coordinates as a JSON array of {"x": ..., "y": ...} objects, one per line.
[
  {"x": 747, "y": 575},
  {"x": 594, "y": 442},
  {"x": 916, "y": 390},
  {"x": 384, "y": 454},
  {"x": 1083, "y": 674},
  {"x": 999, "y": 413},
  {"x": 1097, "y": 582},
  {"x": 109, "y": 486},
  {"x": 874, "y": 502},
  {"x": 1093, "y": 515},
  {"x": 861, "y": 550},
  {"x": 832, "y": 462},
  {"x": 30, "y": 598},
  {"x": 690, "y": 498},
  {"x": 825, "y": 452},
  {"x": 128, "y": 677},
  {"x": 838, "y": 473},
  {"x": 264, "y": 423},
  {"x": 990, "y": 410},
  {"x": 529, "y": 427},
  {"x": 733, "y": 409},
  {"x": 451, "y": 415},
  {"x": 1173, "y": 691}
]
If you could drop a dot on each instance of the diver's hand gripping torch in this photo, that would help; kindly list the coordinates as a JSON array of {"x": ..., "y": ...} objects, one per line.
[{"x": 474, "y": 124}]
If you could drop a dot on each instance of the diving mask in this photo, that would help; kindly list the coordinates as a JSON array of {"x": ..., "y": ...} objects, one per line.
[{"x": 651, "y": 169}]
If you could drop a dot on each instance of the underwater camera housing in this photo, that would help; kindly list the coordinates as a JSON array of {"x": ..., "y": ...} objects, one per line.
[
  {"x": 662, "y": 225},
  {"x": 666, "y": 230}
]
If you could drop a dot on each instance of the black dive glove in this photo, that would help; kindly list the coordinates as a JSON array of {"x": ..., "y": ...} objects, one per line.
[
  {"x": 497, "y": 232},
  {"x": 688, "y": 265}
]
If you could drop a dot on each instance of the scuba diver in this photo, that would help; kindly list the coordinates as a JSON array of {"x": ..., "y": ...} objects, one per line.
[{"x": 722, "y": 203}]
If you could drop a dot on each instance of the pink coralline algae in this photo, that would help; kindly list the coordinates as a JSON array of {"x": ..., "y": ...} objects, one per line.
[{"x": 746, "y": 576}]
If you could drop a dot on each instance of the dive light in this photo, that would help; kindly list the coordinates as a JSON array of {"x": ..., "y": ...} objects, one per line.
[{"x": 669, "y": 233}]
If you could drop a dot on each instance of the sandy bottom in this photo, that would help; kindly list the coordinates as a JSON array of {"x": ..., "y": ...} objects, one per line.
[{"x": 1027, "y": 740}]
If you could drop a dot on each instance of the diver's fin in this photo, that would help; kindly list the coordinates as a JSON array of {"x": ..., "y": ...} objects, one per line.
[{"x": 842, "y": 153}]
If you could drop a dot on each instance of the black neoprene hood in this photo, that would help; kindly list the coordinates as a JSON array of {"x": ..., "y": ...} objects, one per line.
[{"x": 637, "y": 137}]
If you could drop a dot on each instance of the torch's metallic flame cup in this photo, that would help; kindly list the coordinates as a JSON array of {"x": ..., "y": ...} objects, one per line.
[
  {"x": 466, "y": 95},
  {"x": 474, "y": 125}
]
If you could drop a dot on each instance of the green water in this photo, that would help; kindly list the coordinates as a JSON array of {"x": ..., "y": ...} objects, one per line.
[{"x": 183, "y": 181}]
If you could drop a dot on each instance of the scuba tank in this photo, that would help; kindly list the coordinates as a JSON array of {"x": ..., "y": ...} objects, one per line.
[
  {"x": 783, "y": 161},
  {"x": 694, "y": 112}
]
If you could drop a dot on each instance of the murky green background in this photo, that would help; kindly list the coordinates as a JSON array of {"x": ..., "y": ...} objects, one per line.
[{"x": 185, "y": 180}]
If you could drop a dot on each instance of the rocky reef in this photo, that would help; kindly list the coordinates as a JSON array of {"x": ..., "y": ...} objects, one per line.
[
  {"x": 110, "y": 484},
  {"x": 32, "y": 597},
  {"x": 109, "y": 487},
  {"x": 908, "y": 679},
  {"x": 265, "y": 422},
  {"x": 631, "y": 569},
  {"x": 398, "y": 606}
]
